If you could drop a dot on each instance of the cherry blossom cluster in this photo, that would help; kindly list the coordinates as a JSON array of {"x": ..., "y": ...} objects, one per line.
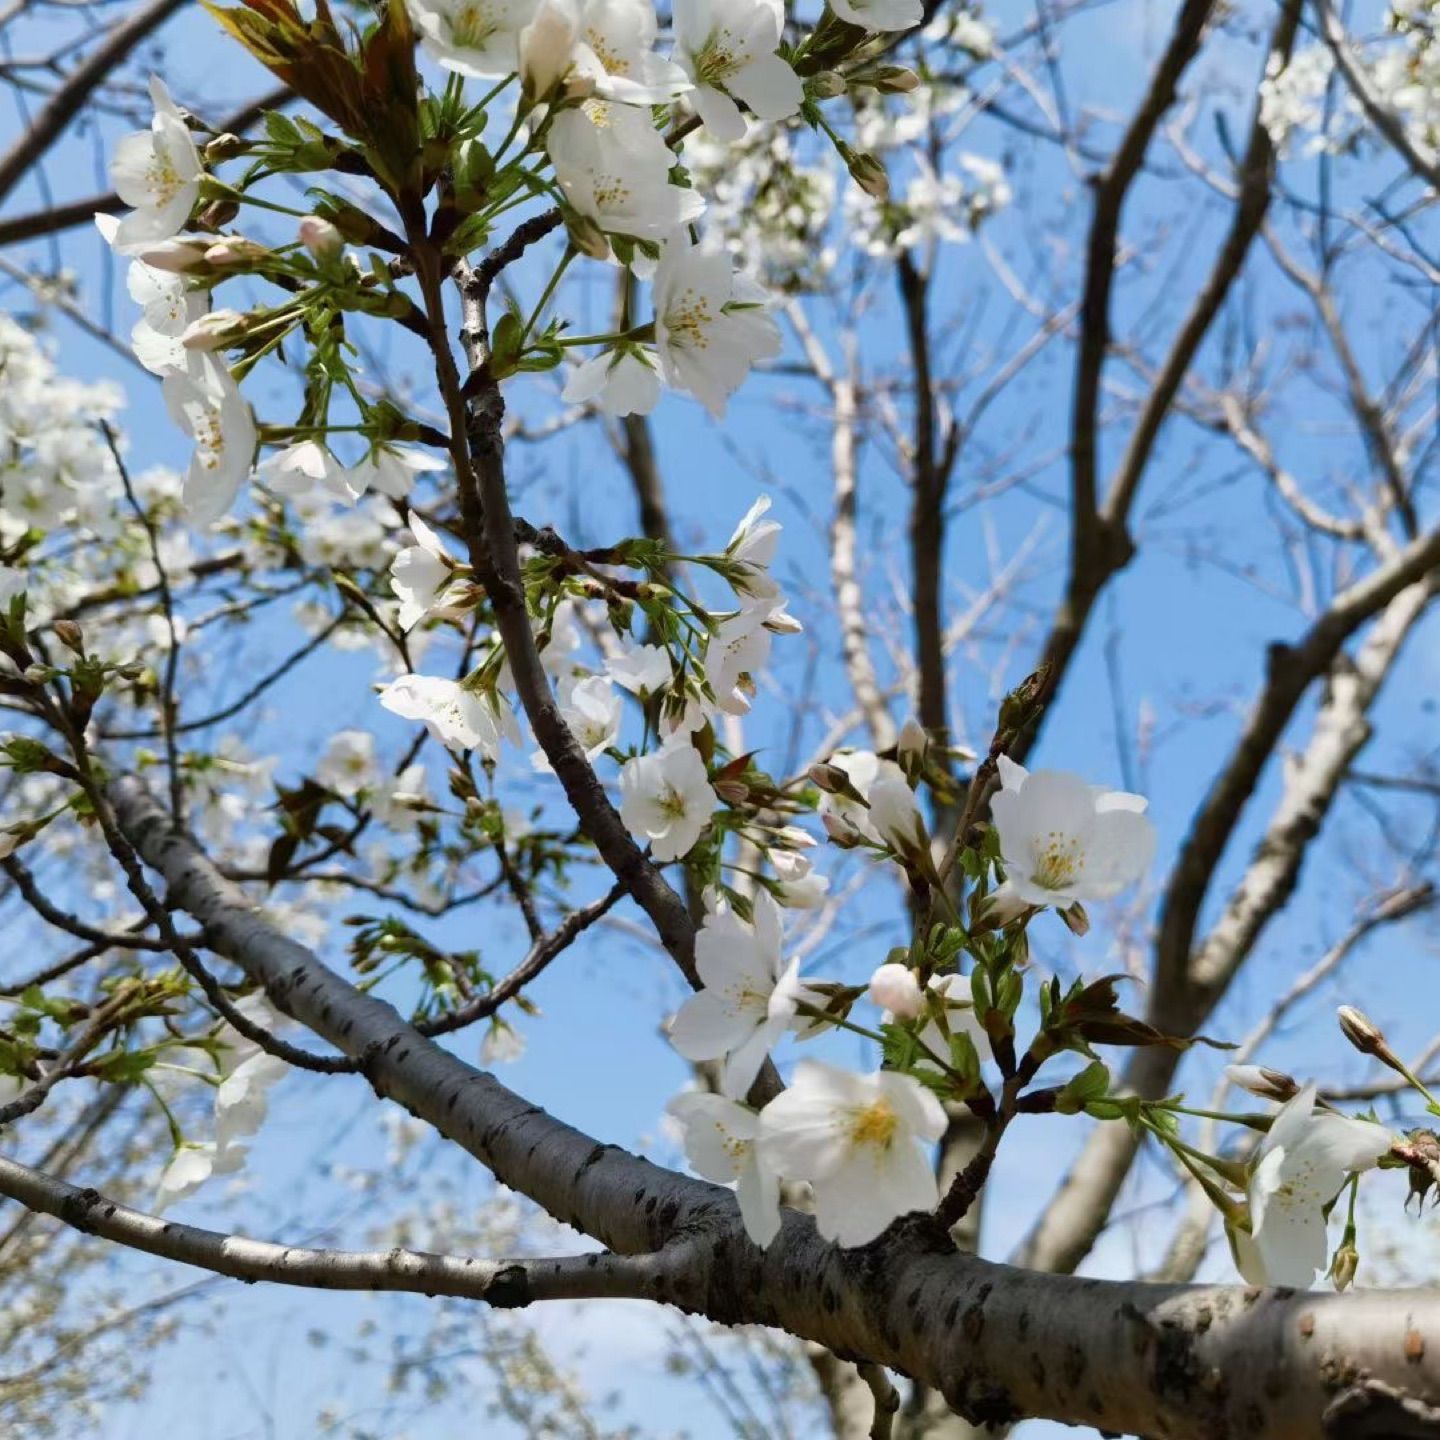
[{"x": 1309, "y": 109}]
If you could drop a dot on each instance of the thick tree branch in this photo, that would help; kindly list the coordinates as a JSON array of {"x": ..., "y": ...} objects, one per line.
[{"x": 998, "y": 1342}]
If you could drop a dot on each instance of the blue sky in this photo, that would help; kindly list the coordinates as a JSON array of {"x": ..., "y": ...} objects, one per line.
[{"x": 1186, "y": 624}]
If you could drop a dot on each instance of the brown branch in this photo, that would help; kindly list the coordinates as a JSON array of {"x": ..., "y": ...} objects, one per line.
[
  {"x": 505, "y": 1284},
  {"x": 1100, "y": 543},
  {"x": 999, "y": 1343}
]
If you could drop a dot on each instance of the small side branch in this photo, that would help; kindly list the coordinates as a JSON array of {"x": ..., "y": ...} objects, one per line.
[{"x": 506, "y": 1284}]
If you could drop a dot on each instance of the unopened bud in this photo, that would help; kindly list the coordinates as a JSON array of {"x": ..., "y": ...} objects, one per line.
[
  {"x": 178, "y": 256},
  {"x": 842, "y": 835},
  {"x": 38, "y": 674},
  {"x": 732, "y": 792},
  {"x": 830, "y": 778},
  {"x": 214, "y": 331},
  {"x": 896, "y": 80},
  {"x": 1260, "y": 1080},
  {"x": 1076, "y": 920},
  {"x": 352, "y": 222},
  {"x": 70, "y": 635},
  {"x": 1344, "y": 1265},
  {"x": 910, "y": 748},
  {"x": 234, "y": 251},
  {"x": 217, "y": 214},
  {"x": 224, "y": 147},
  {"x": 895, "y": 988},
  {"x": 320, "y": 237},
  {"x": 868, "y": 173},
  {"x": 587, "y": 236},
  {"x": 1360, "y": 1030},
  {"x": 826, "y": 85}
]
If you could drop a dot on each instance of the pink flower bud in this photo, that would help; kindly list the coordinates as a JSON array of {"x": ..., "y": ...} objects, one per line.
[{"x": 320, "y": 237}]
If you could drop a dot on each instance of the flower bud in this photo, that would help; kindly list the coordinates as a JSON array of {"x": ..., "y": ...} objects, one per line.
[
  {"x": 829, "y": 778},
  {"x": 217, "y": 214},
  {"x": 895, "y": 988},
  {"x": 825, "y": 86},
  {"x": 895, "y": 80},
  {"x": 1262, "y": 1081},
  {"x": 320, "y": 237},
  {"x": 224, "y": 147},
  {"x": 910, "y": 748},
  {"x": 178, "y": 257},
  {"x": 70, "y": 636},
  {"x": 352, "y": 222},
  {"x": 1360, "y": 1030},
  {"x": 868, "y": 173},
  {"x": 1075, "y": 918},
  {"x": 732, "y": 792},
  {"x": 1344, "y": 1265},
  {"x": 214, "y": 331},
  {"x": 234, "y": 251},
  {"x": 840, "y": 833},
  {"x": 587, "y": 236}
]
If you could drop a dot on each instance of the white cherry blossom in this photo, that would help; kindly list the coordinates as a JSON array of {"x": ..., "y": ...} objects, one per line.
[
  {"x": 206, "y": 403},
  {"x": 895, "y": 816},
  {"x": 623, "y": 381},
  {"x": 614, "y": 174},
  {"x": 604, "y": 47},
  {"x": 800, "y": 887},
  {"x": 304, "y": 468},
  {"x": 420, "y": 573},
  {"x": 752, "y": 547},
  {"x": 158, "y": 172},
  {"x": 749, "y": 995},
  {"x": 1063, "y": 840},
  {"x": 862, "y": 1143},
  {"x": 191, "y": 1166},
  {"x": 728, "y": 48},
  {"x": 591, "y": 708},
  {"x": 391, "y": 470},
  {"x": 479, "y": 38},
  {"x": 666, "y": 798},
  {"x": 618, "y": 40},
  {"x": 865, "y": 770},
  {"x": 719, "y": 1139},
  {"x": 735, "y": 653},
  {"x": 456, "y": 716},
  {"x": 878, "y": 15},
  {"x": 348, "y": 764},
  {"x": 710, "y": 323},
  {"x": 644, "y": 670},
  {"x": 1299, "y": 1168}
]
